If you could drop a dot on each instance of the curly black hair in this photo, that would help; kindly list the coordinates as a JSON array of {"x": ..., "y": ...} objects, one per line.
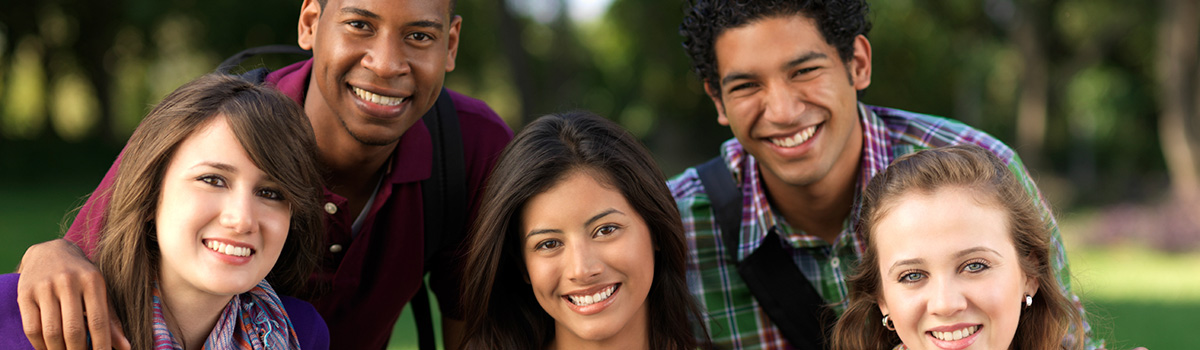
[{"x": 839, "y": 21}]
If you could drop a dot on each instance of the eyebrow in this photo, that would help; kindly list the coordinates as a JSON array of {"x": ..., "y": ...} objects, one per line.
[
  {"x": 811, "y": 55},
  {"x": 960, "y": 254},
  {"x": 218, "y": 165},
  {"x": 360, "y": 12},
  {"x": 589, "y": 222},
  {"x": 425, "y": 24}
]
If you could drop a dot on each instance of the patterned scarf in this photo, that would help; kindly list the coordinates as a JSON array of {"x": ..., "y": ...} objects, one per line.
[{"x": 252, "y": 320}]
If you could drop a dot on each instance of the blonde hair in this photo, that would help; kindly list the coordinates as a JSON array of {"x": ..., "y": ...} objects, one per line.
[{"x": 1043, "y": 325}]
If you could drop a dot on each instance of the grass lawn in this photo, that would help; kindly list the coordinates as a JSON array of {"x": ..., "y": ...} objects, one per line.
[{"x": 1137, "y": 296}]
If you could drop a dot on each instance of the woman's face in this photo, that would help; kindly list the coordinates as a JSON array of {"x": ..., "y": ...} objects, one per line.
[
  {"x": 221, "y": 221},
  {"x": 951, "y": 278},
  {"x": 590, "y": 261}
]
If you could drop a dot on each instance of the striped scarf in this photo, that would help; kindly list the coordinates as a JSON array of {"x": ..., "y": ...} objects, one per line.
[{"x": 252, "y": 320}]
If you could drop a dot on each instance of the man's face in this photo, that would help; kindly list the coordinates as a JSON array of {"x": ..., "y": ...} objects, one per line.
[
  {"x": 789, "y": 98},
  {"x": 378, "y": 65}
]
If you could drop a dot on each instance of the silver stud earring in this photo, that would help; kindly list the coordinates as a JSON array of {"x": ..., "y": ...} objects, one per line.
[
  {"x": 1028, "y": 300},
  {"x": 888, "y": 323}
]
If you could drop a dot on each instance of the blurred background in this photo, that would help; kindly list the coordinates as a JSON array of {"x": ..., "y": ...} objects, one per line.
[{"x": 1100, "y": 97}]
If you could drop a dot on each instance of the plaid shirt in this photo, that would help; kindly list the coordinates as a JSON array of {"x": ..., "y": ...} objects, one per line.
[{"x": 733, "y": 317}]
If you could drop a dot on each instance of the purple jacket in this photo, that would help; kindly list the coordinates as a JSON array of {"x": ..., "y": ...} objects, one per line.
[{"x": 310, "y": 328}]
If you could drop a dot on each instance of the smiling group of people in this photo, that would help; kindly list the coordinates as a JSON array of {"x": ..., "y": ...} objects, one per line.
[{"x": 303, "y": 207}]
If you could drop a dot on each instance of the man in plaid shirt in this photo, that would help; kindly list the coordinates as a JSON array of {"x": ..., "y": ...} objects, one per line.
[{"x": 785, "y": 77}]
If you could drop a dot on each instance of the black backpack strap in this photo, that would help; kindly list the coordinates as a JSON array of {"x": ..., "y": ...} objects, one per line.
[
  {"x": 236, "y": 59},
  {"x": 726, "y": 199},
  {"x": 445, "y": 199},
  {"x": 773, "y": 278}
]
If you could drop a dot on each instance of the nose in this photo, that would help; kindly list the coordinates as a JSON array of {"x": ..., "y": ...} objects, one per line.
[
  {"x": 784, "y": 106},
  {"x": 386, "y": 57},
  {"x": 238, "y": 215},
  {"x": 583, "y": 265},
  {"x": 947, "y": 298}
]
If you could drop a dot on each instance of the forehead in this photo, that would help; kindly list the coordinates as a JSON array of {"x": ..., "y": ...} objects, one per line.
[
  {"x": 938, "y": 224},
  {"x": 578, "y": 196},
  {"x": 769, "y": 41},
  {"x": 405, "y": 10}
]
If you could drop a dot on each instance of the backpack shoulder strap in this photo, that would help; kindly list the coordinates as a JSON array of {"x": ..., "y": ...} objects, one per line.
[
  {"x": 726, "y": 199},
  {"x": 444, "y": 196},
  {"x": 780, "y": 288}
]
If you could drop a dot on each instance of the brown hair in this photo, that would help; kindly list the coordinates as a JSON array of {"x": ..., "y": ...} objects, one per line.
[
  {"x": 1044, "y": 325},
  {"x": 500, "y": 310},
  {"x": 279, "y": 140}
]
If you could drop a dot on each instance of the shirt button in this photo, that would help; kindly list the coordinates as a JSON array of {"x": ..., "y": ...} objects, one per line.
[
  {"x": 834, "y": 262},
  {"x": 330, "y": 208},
  {"x": 336, "y": 248}
]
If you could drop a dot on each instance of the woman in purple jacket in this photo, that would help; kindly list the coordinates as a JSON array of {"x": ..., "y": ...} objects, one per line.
[{"x": 216, "y": 187}]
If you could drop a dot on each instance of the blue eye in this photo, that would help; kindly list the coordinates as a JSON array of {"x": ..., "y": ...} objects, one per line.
[
  {"x": 975, "y": 267},
  {"x": 911, "y": 277}
]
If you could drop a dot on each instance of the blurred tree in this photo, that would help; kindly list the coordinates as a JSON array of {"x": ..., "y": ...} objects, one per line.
[{"x": 1179, "y": 76}]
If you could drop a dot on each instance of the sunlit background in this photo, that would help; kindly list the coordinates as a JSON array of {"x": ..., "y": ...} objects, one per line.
[{"x": 1100, "y": 97}]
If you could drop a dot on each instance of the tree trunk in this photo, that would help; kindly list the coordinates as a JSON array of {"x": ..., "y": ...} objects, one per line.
[
  {"x": 518, "y": 64},
  {"x": 1034, "y": 90},
  {"x": 1179, "y": 45}
]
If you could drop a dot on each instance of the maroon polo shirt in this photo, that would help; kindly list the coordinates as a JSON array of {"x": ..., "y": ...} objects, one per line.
[{"x": 372, "y": 276}]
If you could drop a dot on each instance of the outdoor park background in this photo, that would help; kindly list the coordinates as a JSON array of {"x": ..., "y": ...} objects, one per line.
[{"x": 1100, "y": 97}]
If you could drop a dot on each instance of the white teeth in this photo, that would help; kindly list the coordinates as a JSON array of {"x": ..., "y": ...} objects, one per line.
[
  {"x": 796, "y": 139},
  {"x": 592, "y": 299},
  {"x": 956, "y": 335},
  {"x": 227, "y": 249},
  {"x": 378, "y": 99}
]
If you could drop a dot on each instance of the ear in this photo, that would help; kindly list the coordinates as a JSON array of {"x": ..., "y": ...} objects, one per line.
[
  {"x": 860, "y": 63},
  {"x": 310, "y": 14},
  {"x": 713, "y": 94},
  {"x": 883, "y": 308},
  {"x": 452, "y": 37}
]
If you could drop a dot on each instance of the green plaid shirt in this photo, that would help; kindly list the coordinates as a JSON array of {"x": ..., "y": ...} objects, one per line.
[{"x": 733, "y": 317}]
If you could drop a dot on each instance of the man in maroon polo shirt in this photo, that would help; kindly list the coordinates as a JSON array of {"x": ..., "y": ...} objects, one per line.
[{"x": 377, "y": 68}]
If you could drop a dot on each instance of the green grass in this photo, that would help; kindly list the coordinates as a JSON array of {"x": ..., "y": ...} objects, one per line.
[{"x": 1136, "y": 296}]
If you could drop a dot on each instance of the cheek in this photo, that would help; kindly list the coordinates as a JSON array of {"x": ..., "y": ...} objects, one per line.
[{"x": 543, "y": 275}]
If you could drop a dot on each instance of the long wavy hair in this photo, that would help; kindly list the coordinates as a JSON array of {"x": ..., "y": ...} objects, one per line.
[
  {"x": 278, "y": 138},
  {"x": 1045, "y": 325},
  {"x": 500, "y": 310}
]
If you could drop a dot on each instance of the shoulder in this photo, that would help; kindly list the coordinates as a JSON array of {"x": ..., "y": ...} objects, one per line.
[
  {"x": 12, "y": 333},
  {"x": 910, "y": 131},
  {"x": 310, "y": 327},
  {"x": 686, "y": 184},
  {"x": 477, "y": 117}
]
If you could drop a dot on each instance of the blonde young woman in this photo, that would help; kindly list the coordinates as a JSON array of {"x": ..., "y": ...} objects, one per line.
[{"x": 957, "y": 258}]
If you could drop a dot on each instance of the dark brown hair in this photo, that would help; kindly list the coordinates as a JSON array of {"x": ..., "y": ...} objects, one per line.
[
  {"x": 1044, "y": 325},
  {"x": 500, "y": 310},
  {"x": 278, "y": 138}
]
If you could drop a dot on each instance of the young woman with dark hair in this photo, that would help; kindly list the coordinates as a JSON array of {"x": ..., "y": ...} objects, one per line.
[{"x": 578, "y": 245}]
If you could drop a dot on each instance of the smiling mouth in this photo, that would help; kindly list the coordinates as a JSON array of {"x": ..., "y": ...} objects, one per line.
[
  {"x": 377, "y": 98},
  {"x": 955, "y": 335},
  {"x": 228, "y": 249},
  {"x": 795, "y": 139},
  {"x": 585, "y": 300}
]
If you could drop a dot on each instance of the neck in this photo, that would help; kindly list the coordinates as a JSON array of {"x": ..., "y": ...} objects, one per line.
[
  {"x": 820, "y": 208},
  {"x": 190, "y": 315},
  {"x": 351, "y": 167}
]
